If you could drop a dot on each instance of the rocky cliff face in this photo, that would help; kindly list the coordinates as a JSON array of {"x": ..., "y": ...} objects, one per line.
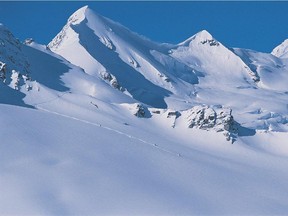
[
  {"x": 14, "y": 66},
  {"x": 11, "y": 52}
]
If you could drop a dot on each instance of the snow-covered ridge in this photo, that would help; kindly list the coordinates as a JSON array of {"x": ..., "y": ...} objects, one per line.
[
  {"x": 202, "y": 37},
  {"x": 187, "y": 73},
  {"x": 76, "y": 18},
  {"x": 138, "y": 125},
  {"x": 176, "y": 77},
  {"x": 100, "y": 25},
  {"x": 281, "y": 51}
]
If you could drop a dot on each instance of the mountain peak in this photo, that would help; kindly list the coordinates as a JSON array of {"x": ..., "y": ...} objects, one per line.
[
  {"x": 202, "y": 37},
  {"x": 281, "y": 51},
  {"x": 76, "y": 18},
  {"x": 78, "y": 15},
  {"x": 204, "y": 34}
]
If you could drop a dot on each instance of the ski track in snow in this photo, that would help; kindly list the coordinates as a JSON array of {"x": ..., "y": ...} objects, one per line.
[
  {"x": 110, "y": 129},
  {"x": 53, "y": 99}
]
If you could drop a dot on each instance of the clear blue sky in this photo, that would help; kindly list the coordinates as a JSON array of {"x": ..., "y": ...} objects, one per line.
[{"x": 256, "y": 25}]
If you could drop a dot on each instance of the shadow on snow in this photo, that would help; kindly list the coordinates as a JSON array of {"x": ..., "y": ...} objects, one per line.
[{"x": 138, "y": 86}]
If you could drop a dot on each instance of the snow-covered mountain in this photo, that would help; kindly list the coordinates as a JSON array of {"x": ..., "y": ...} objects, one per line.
[
  {"x": 105, "y": 121},
  {"x": 281, "y": 51}
]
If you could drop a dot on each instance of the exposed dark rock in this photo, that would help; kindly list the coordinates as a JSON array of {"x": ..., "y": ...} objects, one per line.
[
  {"x": 213, "y": 118},
  {"x": 173, "y": 114},
  {"x": 28, "y": 41},
  {"x": 114, "y": 83},
  {"x": 211, "y": 42},
  {"x": 156, "y": 111},
  {"x": 111, "y": 80},
  {"x": 133, "y": 62},
  {"x": 108, "y": 43},
  {"x": 140, "y": 111}
]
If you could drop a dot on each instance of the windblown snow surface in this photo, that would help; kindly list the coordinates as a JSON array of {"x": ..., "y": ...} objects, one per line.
[{"x": 103, "y": 121}]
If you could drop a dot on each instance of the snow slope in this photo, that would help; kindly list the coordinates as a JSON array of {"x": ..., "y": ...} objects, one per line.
[
  {"x": 281, "y": 51},
  {"x": 63, "y": 165},
  {"x": 111, "y": 123},
  {"x": 272, "y": 71}
]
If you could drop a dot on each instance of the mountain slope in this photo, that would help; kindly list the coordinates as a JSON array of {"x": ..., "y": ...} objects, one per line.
[
  {"x": 64, "y": 165},
  {"x": 206, "y": 54},
  {"x": 124, "y": 125},
  {"x": 108, "y": 47},
  {"x": 99, "y": 56},
  {"x": 272, "y": 71},
  {"x": 281, "y": 51},
  {"x": 200, "y": 70}
]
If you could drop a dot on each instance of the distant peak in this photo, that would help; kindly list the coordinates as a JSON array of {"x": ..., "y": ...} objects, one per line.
[
  {"x": 202, "y": 37},
  {"x": 281, "y": 50}
]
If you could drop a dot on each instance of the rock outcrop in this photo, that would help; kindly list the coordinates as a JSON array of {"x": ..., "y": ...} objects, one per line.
[
  {"x": 139, "y": 111},
  {"x": 111, "y": 80},
  {"x": 212, "y": 118}
]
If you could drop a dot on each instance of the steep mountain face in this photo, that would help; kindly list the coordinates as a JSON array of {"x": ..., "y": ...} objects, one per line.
[
  {"x": 119, "y": 120},
  {"x": 14, "y": 68},
  {"x": 11, "y": 52}
]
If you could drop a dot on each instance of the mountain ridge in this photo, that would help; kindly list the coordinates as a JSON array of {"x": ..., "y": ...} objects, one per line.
[
  {"x": 175, "y": 77},
  {"x": 103, "y": 121},
  {"x": 281, "y": 50}
]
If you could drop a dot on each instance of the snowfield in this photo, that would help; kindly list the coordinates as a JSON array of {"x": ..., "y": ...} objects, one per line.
[
  {"x": 56, "y": 164},
  {"x": 103, "y": 121}
]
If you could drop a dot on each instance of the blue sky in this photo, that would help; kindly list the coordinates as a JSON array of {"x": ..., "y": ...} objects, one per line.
[{"x": 255, "y": 25}]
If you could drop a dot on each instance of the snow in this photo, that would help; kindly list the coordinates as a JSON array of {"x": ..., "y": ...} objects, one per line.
[
  {"x": 272, "y": 71},
  {"x": 63, "y": 165},
  {"x": 75, "y": 143},
  {"x": 199, "y": 37},
  {"x": 281, "y": 51}
]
